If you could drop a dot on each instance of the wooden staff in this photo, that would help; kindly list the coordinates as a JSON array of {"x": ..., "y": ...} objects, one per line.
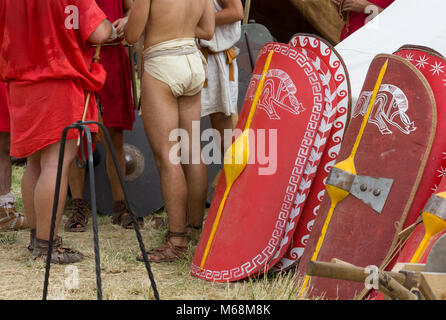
[
  {"x": 247, "y": 10},
  {"x": 131, "y": 54},
  {"x": 390, "y": 283},
  {"x": 96, "y": 58}
]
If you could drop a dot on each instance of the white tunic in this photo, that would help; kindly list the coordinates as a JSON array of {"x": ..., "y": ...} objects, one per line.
[{"x": 221, "y": 94}]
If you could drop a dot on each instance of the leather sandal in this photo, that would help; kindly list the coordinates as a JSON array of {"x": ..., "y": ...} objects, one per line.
[
  {"x": 78, "y": 220},
  {"x": 10, "y": 219},
  {"x": 122, "y": 217},
  {"x": 59, "y": 255},
  {"x": 168, "y": 252}
]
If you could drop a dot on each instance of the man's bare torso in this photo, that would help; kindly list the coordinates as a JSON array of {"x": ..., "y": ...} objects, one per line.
[{"x": 172, "y": 19}]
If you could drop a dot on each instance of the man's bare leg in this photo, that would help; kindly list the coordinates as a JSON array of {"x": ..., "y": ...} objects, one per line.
[
  {"x": 29, "y": 181},
  {"x": 121, "y": 212},
  {"x": 10, "y": 219},
  {"x": 117, "y": 139},
  {"x": 220, "y": 122},
  {"x": 161, "y": 116},
  {"x": 76, "y": 180},
  {"x": 78, "y": 219},
  {"x": 5, "y": 164},
  {"x": 196, "y": 174},
  {"x": 46, "y": 183}
]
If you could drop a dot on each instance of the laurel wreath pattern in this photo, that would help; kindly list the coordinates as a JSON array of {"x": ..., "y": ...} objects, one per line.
[{"x": 312, "y": 202}]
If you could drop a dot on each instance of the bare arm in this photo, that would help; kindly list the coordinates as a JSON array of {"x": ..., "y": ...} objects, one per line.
[
  {"x": 102, "y": 33},
  {"x": 127, "y": 6},
  {"x": 138, "y": 18},
  {"x": 232, "y": 12},
  {"x": 121, "y": 23},
  {"x": 206, "y": 26}
]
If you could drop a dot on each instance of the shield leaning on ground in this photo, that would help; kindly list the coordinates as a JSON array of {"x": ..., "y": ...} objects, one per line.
[
  {"x": 332, "y": 69},
  {"x": 431, "y": 65},
  {"x": 389, "y": 155},
  {"x": 247, "y": 217},
  {"x": 142, "y": 178}
]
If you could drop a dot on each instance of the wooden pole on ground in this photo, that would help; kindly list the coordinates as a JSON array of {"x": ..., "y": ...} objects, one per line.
[{"x": 390, "y": 283}]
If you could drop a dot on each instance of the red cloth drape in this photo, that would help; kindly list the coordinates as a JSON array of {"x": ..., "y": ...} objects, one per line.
[
  {"x": 46, "y": 63},
  {"x": 4, "y": 113},
  {"x": 116, "y": 95}
]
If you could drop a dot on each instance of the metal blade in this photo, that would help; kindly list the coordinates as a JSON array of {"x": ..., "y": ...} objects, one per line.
[{"x": 436, "y": 261}]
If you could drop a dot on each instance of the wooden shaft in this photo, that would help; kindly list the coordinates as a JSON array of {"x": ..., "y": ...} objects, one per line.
[
  {"x": 348, "y": 272},
  {"x": 131, "y": 53},
  {"x": 88, "y": 98},
  {"x": 343, "y": 271},
  {"x": 247, "y": 10},
  {"x": 393, "y": 288}
]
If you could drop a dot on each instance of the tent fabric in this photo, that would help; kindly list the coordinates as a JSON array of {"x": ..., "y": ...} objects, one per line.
[
  {"x": 323, "y": 15},
  {"x": 403, "y": 22}
]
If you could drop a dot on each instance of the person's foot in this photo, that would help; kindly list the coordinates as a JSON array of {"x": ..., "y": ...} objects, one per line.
[
  {"x": 174, "y": 249},
  {"x": 10, "y": 219},
  {"x": 78, "y": 219},
  {"x": 193, "y": 232},
  {"x": 59, "y": 254},
  {"x": 122, "y": 217}
]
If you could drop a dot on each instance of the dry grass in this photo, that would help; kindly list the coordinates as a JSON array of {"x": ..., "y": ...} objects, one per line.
[{"x": 122, "y": 276}]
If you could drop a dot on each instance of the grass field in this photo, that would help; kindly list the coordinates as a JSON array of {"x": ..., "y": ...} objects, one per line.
[{"x": 122, "y": 276}]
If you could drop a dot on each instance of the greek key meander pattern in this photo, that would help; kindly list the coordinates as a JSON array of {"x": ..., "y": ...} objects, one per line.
[
  {"x": 318, "y": 147},
  {"x": 262, "y": 258},
  {"x": 333, "y": 147}
]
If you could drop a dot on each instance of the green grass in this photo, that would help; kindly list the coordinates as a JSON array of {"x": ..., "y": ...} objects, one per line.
[
  {"x": 8, "y": 238},
  {"x": 123, "y": 277}
]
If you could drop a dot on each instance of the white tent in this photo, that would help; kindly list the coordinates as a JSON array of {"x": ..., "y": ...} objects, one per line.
[{"x": 403, "y": 22}]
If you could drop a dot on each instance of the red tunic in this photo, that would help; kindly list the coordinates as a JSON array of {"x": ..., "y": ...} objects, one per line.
[
  {"x": 4, "y": 113},
  {"x": 116, "y": 96},
  {"x": 48, "y": 68},
  {"x": 357, "y": 20}
]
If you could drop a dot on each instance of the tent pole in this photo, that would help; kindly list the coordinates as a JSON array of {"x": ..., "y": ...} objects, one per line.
[{"x": 247, "y": 9}]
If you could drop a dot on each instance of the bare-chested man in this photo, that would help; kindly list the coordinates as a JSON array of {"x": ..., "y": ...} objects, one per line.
[{"x": 171, "y": 99}]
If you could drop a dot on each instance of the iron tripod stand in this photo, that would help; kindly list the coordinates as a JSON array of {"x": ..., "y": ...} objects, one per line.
[{"x": 81, "y": 126}]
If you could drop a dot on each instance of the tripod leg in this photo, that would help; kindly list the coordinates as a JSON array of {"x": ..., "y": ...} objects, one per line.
[
  {"x": 134, "y": 220},
  {"x": 94, "y": 212},
  {"x": 53, "y": 217}
]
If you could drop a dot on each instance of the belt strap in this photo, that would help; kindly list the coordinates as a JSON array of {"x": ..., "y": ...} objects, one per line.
[{"x": 230, "y": 56}]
